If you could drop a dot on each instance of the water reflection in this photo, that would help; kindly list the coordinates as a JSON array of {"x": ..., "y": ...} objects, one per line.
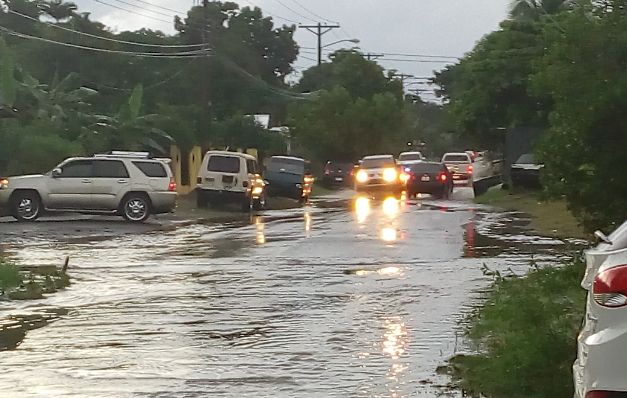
[
  {"x": 308, "y": 222},
  {"x": 362, "y": 209},
  {"x": 389, "y": 235},
  {"x": 395, "y": 339},
  {"x": 391, "y": 207},
  {"x": 261, "y": 230}
]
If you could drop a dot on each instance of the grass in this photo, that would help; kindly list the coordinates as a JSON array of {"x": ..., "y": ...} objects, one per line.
[
  {"x": 549, "y": 218},
  {"x": 527, "y": 332},
  {"x": 9, "y": 275}
]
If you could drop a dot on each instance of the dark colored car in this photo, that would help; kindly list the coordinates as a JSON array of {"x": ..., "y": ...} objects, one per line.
[
  {"x": 525, "y": 172},
  {"x": 289, "y": 177},
  {"x": 429, "y": 177},
  {"x": 338, "y": 173}
]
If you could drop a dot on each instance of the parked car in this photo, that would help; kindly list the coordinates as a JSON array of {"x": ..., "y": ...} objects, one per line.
[
  {"x": 599, "y": 371},
  {"x": 379, "y": 173},
  {"x": 230, "y": 177},
  {"x": 461, "y": 166},
  {"x": 429, "y": 177},
  {"x": 289, "y": 177},
  {"x": 129, "y": 184},
  {"x": 525, "y": 172},
  {"x": 410, "y": 157},
  {"x": 337, "y": 173}
]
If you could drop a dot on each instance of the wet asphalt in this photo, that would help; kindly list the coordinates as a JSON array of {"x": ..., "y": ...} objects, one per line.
[{"x": 361, "y": 298}]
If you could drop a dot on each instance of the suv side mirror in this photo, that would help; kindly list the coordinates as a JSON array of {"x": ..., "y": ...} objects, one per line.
[{"x": 56, "y": 173}]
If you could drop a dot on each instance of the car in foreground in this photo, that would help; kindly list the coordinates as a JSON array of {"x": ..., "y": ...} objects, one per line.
[
  {"x": 461, "y": 166},
  {"x": 230, "y": 177},
  {"x": 431, "y": 178},
  {"x": 410, "y": 157},
  {"x": 337, "y": 173},
  {"x": 525, "y": 172},
  {"x": 129, "y": 184},
  {"x": 599, "y": 371},
  {"x": 379, "y": 173},
  {"x": 289, "y": 177}
]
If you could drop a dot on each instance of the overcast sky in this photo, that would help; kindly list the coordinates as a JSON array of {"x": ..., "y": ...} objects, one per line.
[{"x": 429, "y": 27}]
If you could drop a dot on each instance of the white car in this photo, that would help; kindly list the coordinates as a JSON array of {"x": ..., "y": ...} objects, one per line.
[
  {"x": 410, "y": 158},
  {"x": 230, "y": 177},
  {"x": 379, "y": 173},
  {"x": 600, "y": 368},
  {"x": 461, "y": 165},
  {"x": 129, "y": 184}
]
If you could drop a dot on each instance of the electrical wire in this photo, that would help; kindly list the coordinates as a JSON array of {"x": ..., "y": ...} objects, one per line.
[
  {"x": 295, "y": 12},
  {"x": 132, "y": 12},
  {"x": 188, "y": 54},
  {"x": 106, "y": 38},
  {"x": 311, "y": 12}
]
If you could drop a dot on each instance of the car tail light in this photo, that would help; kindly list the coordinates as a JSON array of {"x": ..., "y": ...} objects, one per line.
[
  {"x": 442, "y": 177},
  {"x": 605, "y": 394},
  {"x": 172, "y": 185},
  {"x": 610, "y": 287},
  {"x": 327, "y": 171},
  {"x": 470, "y": 169}
]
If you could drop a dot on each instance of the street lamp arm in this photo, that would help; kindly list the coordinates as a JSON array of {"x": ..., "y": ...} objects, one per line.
[{"x": 354, "y": 41}]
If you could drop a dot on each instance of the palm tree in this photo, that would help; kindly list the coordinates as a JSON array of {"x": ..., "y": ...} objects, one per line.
[
  {"x": 530, "y": 10},
  {"x": 58, "y": 9}
]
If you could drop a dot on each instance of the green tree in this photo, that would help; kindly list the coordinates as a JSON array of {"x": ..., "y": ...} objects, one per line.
[
  {"x": 587, "y": 141},
  {"x": 58, "y": 9},
  {"x": 490, "y": 87},
  {"x": 529, "y": 10}
]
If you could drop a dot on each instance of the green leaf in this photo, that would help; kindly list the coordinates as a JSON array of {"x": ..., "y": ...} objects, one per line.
[{"x": 135, "y": 101}]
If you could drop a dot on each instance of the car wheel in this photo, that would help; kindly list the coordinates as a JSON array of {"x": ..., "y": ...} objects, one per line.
[
  {"x": 136, "y": 208},
  {"x": 259, "y": 203},
  {"x": 26, "y": 206}
]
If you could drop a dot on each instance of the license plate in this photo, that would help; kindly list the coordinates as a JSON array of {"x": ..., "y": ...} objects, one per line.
[
  {"x": 425, "y": 179},
  {"x": 456, "y": 177},
  {"x": 339, "y": 179},
  {"x": 227, "y": 179}
]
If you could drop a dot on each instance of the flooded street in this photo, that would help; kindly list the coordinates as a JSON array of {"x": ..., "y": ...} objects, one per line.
[{"x": 360, "y": 301}]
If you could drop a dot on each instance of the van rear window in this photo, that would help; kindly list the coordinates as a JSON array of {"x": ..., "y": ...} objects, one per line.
[
  {"x": 152, "y": 169},
  {"x": 224, "y": 164}
]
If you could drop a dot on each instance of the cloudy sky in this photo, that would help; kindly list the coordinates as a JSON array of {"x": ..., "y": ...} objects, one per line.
[{"x": 427, "y": 27}]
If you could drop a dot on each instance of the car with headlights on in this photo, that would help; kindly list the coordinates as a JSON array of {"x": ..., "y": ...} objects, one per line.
[
  {"x": 431, "y": 178},
  {"x": 130, "y": 184},
  {"x": 379, "y": 173}
]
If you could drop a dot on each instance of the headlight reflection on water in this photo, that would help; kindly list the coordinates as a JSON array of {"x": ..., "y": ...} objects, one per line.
[
  {"x": 391, "y": 207},
  {"x": 362, "y": 209},
  {"x": 389, "y": 235},
  {"x": 261, "y": 230}
]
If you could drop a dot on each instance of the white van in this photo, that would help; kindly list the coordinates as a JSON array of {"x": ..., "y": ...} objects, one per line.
[{"x": 230, "y": 177}]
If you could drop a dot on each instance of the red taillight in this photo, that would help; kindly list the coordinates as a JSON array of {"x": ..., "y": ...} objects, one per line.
[
  {"x": 598, "y": 394},
  {"x": 470, "y": 169},
  {"x": 442, "y": 177},
  {"x": 610, "y": 287},
  {"x": 172, "y": 185}
]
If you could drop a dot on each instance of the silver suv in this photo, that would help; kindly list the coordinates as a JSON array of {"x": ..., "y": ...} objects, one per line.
[{"x": 129, "y": 184}]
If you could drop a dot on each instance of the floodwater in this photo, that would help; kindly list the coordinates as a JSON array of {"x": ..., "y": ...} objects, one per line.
[{"x": 362, "y": 300}]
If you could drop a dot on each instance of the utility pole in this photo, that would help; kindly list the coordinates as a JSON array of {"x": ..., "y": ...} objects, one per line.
[
  {"x": 373, "y": 57},
  {"x": 319, "y": 30},
  {"x": 403, "y": 77}
]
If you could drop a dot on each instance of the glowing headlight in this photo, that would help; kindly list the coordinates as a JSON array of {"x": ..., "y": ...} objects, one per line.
[
  {"x": 257, "y": 191},
  {"x": 309, "y": 180},
  {"x": 390, "y": 175},
  {"x": 362, "y": 176}
]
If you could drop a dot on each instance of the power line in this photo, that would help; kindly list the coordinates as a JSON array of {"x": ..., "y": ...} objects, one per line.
[
  {"x": 272, "y": 15},
  {"x": 143, "y": 8},
  {"x": 295, "y": 12},
  {"x": 311, "y": 12},
  {"x": 132, "y": 12},
  {"x": 105, "y": 38},
  {"x": 419, "y": 61},
  {"x": 319, "y": 30},
  {"x": 188, "y": 54},
  {"x": 161, "y": 7}
]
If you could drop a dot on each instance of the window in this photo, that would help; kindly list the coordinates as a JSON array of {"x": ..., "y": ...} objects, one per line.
[
  {"x": 377, "y": 163},
  {"x": 251, "y": 165},
  {"x": 152, "y": 169},
  {"x": 426, "y": 168},
  {"x": 224, "y": 164},
  {"x": 457, "y": 158},
  {"x": 410, "y": 156},
  {"x": 283, "y": 165},
  {"x": 110, "y": 169},
  {"x": 77, "y": 169}
]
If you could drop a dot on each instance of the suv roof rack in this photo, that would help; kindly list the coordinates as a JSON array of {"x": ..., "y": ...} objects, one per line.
[{"x": 124, "y": 154}]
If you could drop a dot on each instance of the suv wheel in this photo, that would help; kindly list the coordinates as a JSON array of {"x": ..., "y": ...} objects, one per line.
[
  {"x": 136, "y": 208},
  {"x": 26, "y": 206}
]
